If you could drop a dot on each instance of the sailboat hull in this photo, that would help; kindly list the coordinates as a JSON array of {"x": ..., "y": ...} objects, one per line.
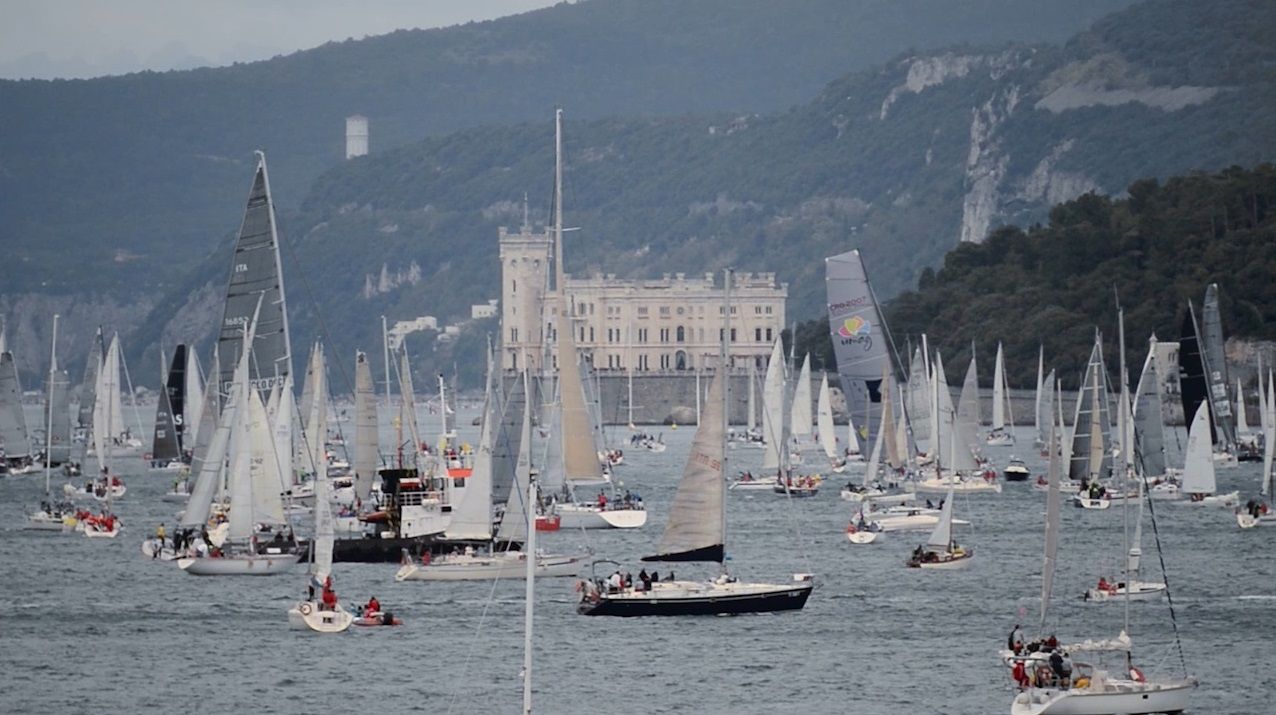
[
  {"x": 1141, "y": 591},
  {"x": 259, "y": 565},
  {"x": 1128, "y": 698},
  {"x": 684, "y": 598},
  {"x": 307, "y": 616},
  {"x": 1229, "y": 500},
  {"x": 585, "y": 516},
  {"x": 483, "y": 568}
]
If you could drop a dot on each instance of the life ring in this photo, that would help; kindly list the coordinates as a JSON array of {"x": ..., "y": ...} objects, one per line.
[
  {"x": 305, "y": 609},
  {"x": 1137, "y": 675}
]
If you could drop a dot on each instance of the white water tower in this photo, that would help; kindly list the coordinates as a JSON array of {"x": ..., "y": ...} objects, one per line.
[{"x": 356, "y": 136}]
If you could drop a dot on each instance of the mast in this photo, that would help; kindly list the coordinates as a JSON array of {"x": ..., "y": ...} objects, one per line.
[
  {"x": 530, "y": 551},
  {"x": 728, "y": 278},
  {"x": 385, "y": 355},
  {"x": 1127, "y": 458},
  {"x": 48, "y": 432}
]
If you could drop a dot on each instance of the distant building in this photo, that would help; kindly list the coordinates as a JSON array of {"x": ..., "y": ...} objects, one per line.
[
  {"x": 486, "y": 310},
  {"x": 403, "y": 328},
  {"x": 356, "y": 136},
  {"x": 671, "y": 323}
]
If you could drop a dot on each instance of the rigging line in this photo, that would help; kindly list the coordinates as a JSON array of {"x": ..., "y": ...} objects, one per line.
[
  {"x": 1160, "y": 553},
  {"x": 469, "y": 652}
]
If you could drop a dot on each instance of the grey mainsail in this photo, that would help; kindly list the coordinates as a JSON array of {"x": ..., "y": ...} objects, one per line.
[
  {"x": 861, "y": 341},
  {"x": 968, "y": 419},
  {"x": 1216, "y": 369},
  {"x": 918, "y": 397},
  {"x": 1149, "y": 425},
  {"x": 13, "y": 424},
  {"x": 255, "y": 276},
  {"x": 88, "y": 387},
  {"x": 1095, "y": 375},
  {"x": 517, "y": 409},
  {"x": 59, "y": 405}
]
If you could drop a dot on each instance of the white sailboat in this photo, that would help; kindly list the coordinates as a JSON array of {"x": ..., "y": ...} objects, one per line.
[
  {"x": 314, "y": 614},
  {"x": 1086, "y": 689},
  {"x": 1003, "y": 419},
  {"x": 696, "y": 532},
  {"x": 1094, "y": 497},
  {"x": 954, "y": 462},
  {"x": 1199, "y": 482},
  {"x": 941, "y": 551},
  {"x": 54, "y": 516},
  {"x": 827, "y": 432},
  {"x": 579, "y": 454},
  {"x": 472, "y": 518},
  {"x": 1258, "y": 512}
]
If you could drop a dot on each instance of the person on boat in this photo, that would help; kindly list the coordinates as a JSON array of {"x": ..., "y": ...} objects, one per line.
[
  {"x": 615, "y": 582},
  {"x": 1015, "y": 641},
  {"x": 602, "y": 500},
  {"x": 655, "y": 577},
  {"x": 374, "y": 606},
  {"x": 329, "y": 595},
  {"x": 1020, "y": 674}
]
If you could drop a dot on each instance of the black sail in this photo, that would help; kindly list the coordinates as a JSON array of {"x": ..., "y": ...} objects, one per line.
[
  {"x": 255, "y": 276},
  {"x": 1192, "y": 387}
]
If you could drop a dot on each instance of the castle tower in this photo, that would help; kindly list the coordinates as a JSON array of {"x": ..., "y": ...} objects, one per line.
[
  {"x": 356, "y": 136},
  {"x": 525, "y": 262}
]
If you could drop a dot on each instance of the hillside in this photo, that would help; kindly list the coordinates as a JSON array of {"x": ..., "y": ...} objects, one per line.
[
  {"x": 902, "y": 161},
  {"x": 1052, "y": 285}
]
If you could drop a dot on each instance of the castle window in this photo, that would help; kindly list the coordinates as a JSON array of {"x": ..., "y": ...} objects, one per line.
[{"x": 682, "y": 333}]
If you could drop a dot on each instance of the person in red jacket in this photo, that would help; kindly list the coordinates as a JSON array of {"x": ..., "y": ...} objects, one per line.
[
  {"x": 329, "y": 595},
  {"x": 374, "y": 606}
]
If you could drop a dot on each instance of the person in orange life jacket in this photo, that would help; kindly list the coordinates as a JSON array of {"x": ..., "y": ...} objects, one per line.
[{"x": 374, "y": 606}]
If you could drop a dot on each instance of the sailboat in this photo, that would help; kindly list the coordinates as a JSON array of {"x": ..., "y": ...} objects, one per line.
[
  {"x": 472, "y": 518},
  {"x": 206, "y": 420},
  {"x": 827, "y": 432},
  {"x": 1198, "y": 466},
  {"x": 870, "y": 484},
  {"x": 579, "y": 454},
  {"x": 1256, "y": 511},
  {"x": 18, "y": 457},
  {"x": 167, "y": 444},
  {"x": 1095, "y": 496},
  {"x": 772, "y": 426},
  {"x": 312, "y": 614},
  {"x": 1200, "y": 381},
  {"x": 954, "y": 433},
  {"x": 941, "y": 550},
  {"x": 106, "y": 433},
  {"x": 1149, "y": 425},
  {"x": 696, "y": 532},
  {"x": 54, "y": 516},
  {"x": 1003, "y": 419},
  {"x": 1087, "y": 689},
  {"x": 244, "y": 449}
]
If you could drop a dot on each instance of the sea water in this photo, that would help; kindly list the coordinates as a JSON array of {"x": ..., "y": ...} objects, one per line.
[{"x": 92, "y": 625}]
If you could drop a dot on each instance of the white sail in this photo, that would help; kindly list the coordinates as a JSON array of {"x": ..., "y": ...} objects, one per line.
[
  {"x": 316, "y": 417},
  {"x": 966, "y": 428},
  {"x": 239, "y": 475},
  {"x": 209, "y": 456},
  {"x": 1041, "y": 414},
  {"x": 903, "y": 447},
  {"x": 874, "y": 466},
  {"x": 325, "y": 535},
  {"x": 13, "y": 424},
  {"x": 695, "y": 528},
  {"x": 942, "y": 535},
  {"x": 999, "y": 391},
  {"x": 1242, "y": 421},
  {"x": 888, "y": 422},
  {"x": 365, "y": 428},
  {"x": 945, "y": 417},
  {"x": 264, "y": 464},
  {"x": 801, "y": 412},
  {"x": 824, "y": 420},
  {"x": 1149, "y": 423},
  {"x": 1198, "y": 460},
  {"x": 1269, "y": 440},
  {"x": 472, "y": 516},
  {"x": 1095, "y": 442},
  {"x": 750, "y": 420},
  {"x": 194, "y": 407},
  {"x": 773, "y": 407},
  {"x": 919, "y": 396},
  {"x": 517, "y": 513},
  {"x": 281, "y": 427},
  {"x": 407, "y": 409},
  {"x": 1095, "y": 373},
  {"x": 852, "y": 435}
]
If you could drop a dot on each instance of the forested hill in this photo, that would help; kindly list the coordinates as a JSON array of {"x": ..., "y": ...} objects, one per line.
[
  {"x": 1052, "y": 285},
  {"x": 902, "y": 162},
  {"x": 135, "y": 175}
]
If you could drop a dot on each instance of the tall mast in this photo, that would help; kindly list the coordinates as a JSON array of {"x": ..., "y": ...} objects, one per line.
[
  {"x": 728, "y": 276},
  {"x": 48, "y": 431},
  {"x": 530, "y": 552},
  {"x": 385, "y": 353},
  {"x": 1127, "y": 459}
]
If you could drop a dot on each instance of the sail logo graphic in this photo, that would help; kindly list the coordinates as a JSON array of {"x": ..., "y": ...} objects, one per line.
[
  {"x": 856, "y": 330},
  {"x": 854, "y": 327}
]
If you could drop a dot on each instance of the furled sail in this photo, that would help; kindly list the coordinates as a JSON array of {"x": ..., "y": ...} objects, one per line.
[{"x": 695, "y": 528}]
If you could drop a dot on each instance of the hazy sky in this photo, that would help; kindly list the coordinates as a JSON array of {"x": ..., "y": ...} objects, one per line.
[{"x": 88, "y": 38}]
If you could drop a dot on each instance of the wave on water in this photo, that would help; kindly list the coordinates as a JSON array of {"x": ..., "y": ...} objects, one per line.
[{"x": 1257, "y": 597}]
